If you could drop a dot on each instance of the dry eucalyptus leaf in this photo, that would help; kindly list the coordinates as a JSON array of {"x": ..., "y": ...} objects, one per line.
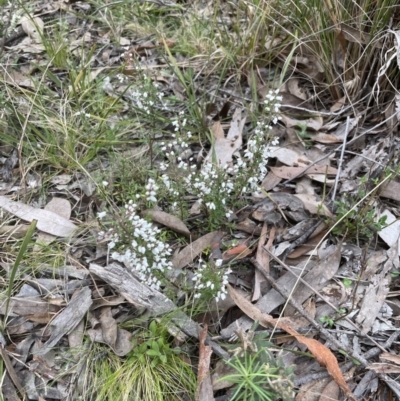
[
  {"x": 289, "y": 157},
  {"x": 168, "y": 220},
  {"x": 190, "y": 252},
  {"x": 33, "y": 27},
  {"x": 313, "y": 205},
  {"x": 61, "y": 207},
  {"x": 47, "y": 221},
  {"x": 224, "y": 148}
]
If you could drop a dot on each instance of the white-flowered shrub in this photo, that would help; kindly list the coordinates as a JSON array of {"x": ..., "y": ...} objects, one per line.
[
  {"x": 210, "y": 281},
  {"x": 218, "y": 187},
  {"x": 145, "y": 254}
]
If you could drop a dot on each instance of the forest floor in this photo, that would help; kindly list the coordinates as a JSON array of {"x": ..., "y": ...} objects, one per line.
[{"x": 199, "y": 200}]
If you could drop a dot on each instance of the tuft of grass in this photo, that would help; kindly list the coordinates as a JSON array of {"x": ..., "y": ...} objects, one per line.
[{"x": 152, "y": 371}]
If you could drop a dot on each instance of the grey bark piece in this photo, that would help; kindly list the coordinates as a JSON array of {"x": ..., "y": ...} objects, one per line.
[
  {"x": 372, "y": 302},
  {"x": 29, "y": 306},
  {"x": 316, "y": 277},
  {"x": 155, "y": 302},
  {"x": 69, "y": 318}
]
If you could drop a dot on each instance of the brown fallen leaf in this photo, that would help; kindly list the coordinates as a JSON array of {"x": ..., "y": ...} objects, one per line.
[
  {"x": 321, "y": 353},
  {"x": 204, "y": 386},
  {"x": 326, "y": 138},
  {"x": 238, "y": 252},
  {"x": 262, "y": 258},
  {"x": 287, "y": 172},
  {"x": 168, "y": 220},
  {"x": 313, "y": 205},
  {"x": 190, "y": 252},
  {"x": 330, "y": 392}
]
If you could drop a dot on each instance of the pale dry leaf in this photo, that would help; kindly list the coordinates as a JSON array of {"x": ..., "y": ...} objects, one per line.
[
  {"x": 108, "y": 326},
  {"x": 287, "y": 172},
  {"x": 391, "y": 233},
  {"x": 330, "y": 392},
  {"x": 384, "y": 368},
  {"x": 313, "y": 123},
  {"x": 397, "y": 105},
  {"x": 322, "y": 179},
  {"x": 313, "y": 205},
  {"x": 18, "y": 79},
  {"x": 217, "y": 130},
  {"x": 339, "y": 104},
  {"x": 61, "y": 207},
  {"x": 262, "y": 258},
  {"x": 168, "y": 220},
  {"x": 270, "y": 181},
  {"x": 390, "y": 357},
  {"x": 311, "y": 391},
  {"x": 289, "y": 157},
  {"x": 33, "y": 27},
  {"x": 123, "y": 343},
  {"x": 342, "y": 128},
  {"x": 373, "y": 301},
  {"x": 326, "y": 138},
  {"x": 293, "y": 86},
  {"x": 191, "y": 251},
  {"x": 354, "y": 35},
  {"x": 47, "y": 221},
  {"x": 224, "y": 148}
]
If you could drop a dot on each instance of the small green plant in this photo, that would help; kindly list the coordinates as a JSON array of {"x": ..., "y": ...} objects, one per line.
[
  {"x": 152, "y": 371},
  {"x": 347, "y": 282},
  {"x": 395, "y": 273},
  {"x": 327, "y": 320},
  {"x": 303, "y": 135},
  {"x": 360, "y": 221},
  {"x": 258, "y": 374},
  {"x": 330, "y": 320}
]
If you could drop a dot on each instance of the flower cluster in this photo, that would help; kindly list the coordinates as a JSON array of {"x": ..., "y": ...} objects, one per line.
[
  {"x": 211, "y": 282},
  {"x": 145, "y": 255},
  {"x": 216, "y": 186},
  {"x": 146, "y": 95},
  {"x": 151, "y": 191}
]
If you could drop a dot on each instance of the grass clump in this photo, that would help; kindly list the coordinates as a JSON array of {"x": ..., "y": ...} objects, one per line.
[{"x": 152, "y": 371}]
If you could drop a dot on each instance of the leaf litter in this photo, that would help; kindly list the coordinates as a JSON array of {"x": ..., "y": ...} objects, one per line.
[{"x": 281, "y": 246}]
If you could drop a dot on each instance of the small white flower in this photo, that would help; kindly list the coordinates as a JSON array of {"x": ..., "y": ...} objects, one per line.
[
  {"x": 211, "y": 205},
  {"x": 101, "y": 215}
]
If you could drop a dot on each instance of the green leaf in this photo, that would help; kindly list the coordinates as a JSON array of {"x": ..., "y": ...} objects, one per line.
[
  {"x": 152, "y": 352},
  {"x": 154, "y": 346}
]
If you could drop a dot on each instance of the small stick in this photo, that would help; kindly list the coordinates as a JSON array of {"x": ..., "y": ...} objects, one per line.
[{"x": 341, "y": 159}]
